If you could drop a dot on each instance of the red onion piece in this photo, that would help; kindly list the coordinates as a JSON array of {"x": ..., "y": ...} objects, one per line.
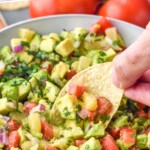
[
  {"x": 43, "y": 81},
  {"x": 18, "y": 48},
  {"x": 3, "y": 136},
  {"x": 6, "y": 118},
  {"x": 42, "y": 107}
]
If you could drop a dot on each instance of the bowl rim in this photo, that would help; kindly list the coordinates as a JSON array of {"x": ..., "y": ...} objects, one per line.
[{"x": 66, "y": 16}]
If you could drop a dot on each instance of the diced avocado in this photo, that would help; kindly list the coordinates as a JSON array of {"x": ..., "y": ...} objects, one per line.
[
  {"x": 4, "y": 107},
  {"x": 35, "y": 42},
  {"x": 72, "y": 148},
  {"x": 91, "y": 53},
  {"x": 60, "y": 69},
  {"x": 5, "y": 53},
  {"x": 79, "y": 33},
  {"x": 141, "y": 141},
  {"x": 57, "y": 131},
  {"x": 34, "y": 123},
  {"x": 74, "y": 133},
  {"x": 91, "y": 144},
  {"x": 65, "y": 35},
  {"x": 65, "y": 47},
  {"x": 89, "y": 101},
  {"x": 120, "y": 122},
  {"x": 47, "y": 45},
  {"x": 10, "y": 91},
  {"x": 43, "y": 102},
  {"x": 87, "y": 125},
  {"x": 35, "y": 95},
  {"x": 147, "y": 123},
  {"x": 67, "y": 106},
  {"x": 27, "y": 34},
  {"x": 26, "y": 145},
  {"x": 15, "y": 42},
  {"x": 17, "y": 115},
  {"x": 51, "y": 91},
  {"x": 70, "y": 124},
  {"x": 148, "y": 141},
  {"x": 111, "y": 33},
  {"x": 97, "y": 130},
  {"x": 84, "y": 62},
  {"x": 120, "y": 40},
  {"x": 21, "y": 133},
  {"x": 122, "y": 145},
  {"x": 42, "y": 144},
  {"x": 25, "y": 57},
  {"x": 20, "y": 107},
  {"x": 24, "y": 89},
  {"x": 110, "y": 54},
  {"x": 33, "y": 82},
  {"x": 74, "y": 65},
  {"x": 61, "y": 143},
  {"x": 55, "y": 37},
  {"x": 40, "y": 75}
]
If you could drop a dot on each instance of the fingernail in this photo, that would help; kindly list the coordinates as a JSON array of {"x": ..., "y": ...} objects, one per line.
[{"x": 115, "y": 78}]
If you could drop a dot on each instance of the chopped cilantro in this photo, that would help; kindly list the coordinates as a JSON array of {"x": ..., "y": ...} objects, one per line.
[
  {"x": 87, "y": 147},
  {"x": 26, "y": 44},
  {"x": 66, "y": 112},
  {"x": 116, "y": 42}
]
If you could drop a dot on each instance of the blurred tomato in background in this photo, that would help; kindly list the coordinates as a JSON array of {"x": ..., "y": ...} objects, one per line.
[
  {"x": 50, "y": 7},
  {"x": 133, "y": 11}
]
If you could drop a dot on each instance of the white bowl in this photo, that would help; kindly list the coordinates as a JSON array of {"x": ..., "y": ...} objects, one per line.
[{"x": 57, "y": 23}]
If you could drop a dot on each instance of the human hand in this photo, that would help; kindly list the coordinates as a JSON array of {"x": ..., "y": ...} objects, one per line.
[{"x": 131, "y": 69}]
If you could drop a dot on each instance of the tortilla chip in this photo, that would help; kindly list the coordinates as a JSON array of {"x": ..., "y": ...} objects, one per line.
[{"x": 97, "y": 80}]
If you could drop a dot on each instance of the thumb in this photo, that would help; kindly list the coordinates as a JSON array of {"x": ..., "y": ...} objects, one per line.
[{"x": 133, "y": 62}]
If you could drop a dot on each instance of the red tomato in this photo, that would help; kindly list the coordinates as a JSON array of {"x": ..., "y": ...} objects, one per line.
[
  {"x": 134, "y": 11},
  {"x": 47, "y": 130},
  {"x": 108, "y": 143},
  {"x": 142, "y": 114},
  {"x": 45, "y": 65},
  {"x": 114, "y": 132},
  {"x": 140, "y": 105},
  {"x": 101, "y": 26},
  {"x": 13, "y": 125},
  {"x": 104, "y": 106},
  {"x": 28, "y": 106},
  {"x": 70, "y": 74},
  {"x": 79, "y": 142},
  {"x": 128, "y": 136},
  {"x": 48, "y": 147},
  {"x": 14, "y": 139},
  {"x": 75, "y": 89},
  {"x": 146, "y": 131},
  {"x": 49, "y": 7},
  {"x": 84, "y": 113}
]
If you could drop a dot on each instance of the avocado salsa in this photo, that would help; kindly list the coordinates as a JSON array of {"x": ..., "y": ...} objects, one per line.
[{"x": 36, "y": 67}]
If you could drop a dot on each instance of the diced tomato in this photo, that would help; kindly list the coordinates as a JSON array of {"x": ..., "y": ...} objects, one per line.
[
  {"x": 128, "y": 136},
  {"x": 101, "y": 26},
  {"x": 142, "y": 114},
  {"x": 14, "y": 139},
  {"x": 48, "y": 147},
  {"x": 140, "y": 105},
  {"x": 104, "y": 106},
  {"x": 13, "y": 125},
  {"x": 70, "y": 74},
  {"x": 75, "y": 89},
  {"x": 133, "y": 148},
  {"x": 47, "y": 130},
  {"x": 84, "y": 113},
  {"x": 114, "y": 132},
  {"x": 108, "y": 143},
  {"x": 79, "y": 142},
  {"x": 28, "y": 106},
  {"x": 46, "y": 65},
  {"x": 7, "y": 147}
]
